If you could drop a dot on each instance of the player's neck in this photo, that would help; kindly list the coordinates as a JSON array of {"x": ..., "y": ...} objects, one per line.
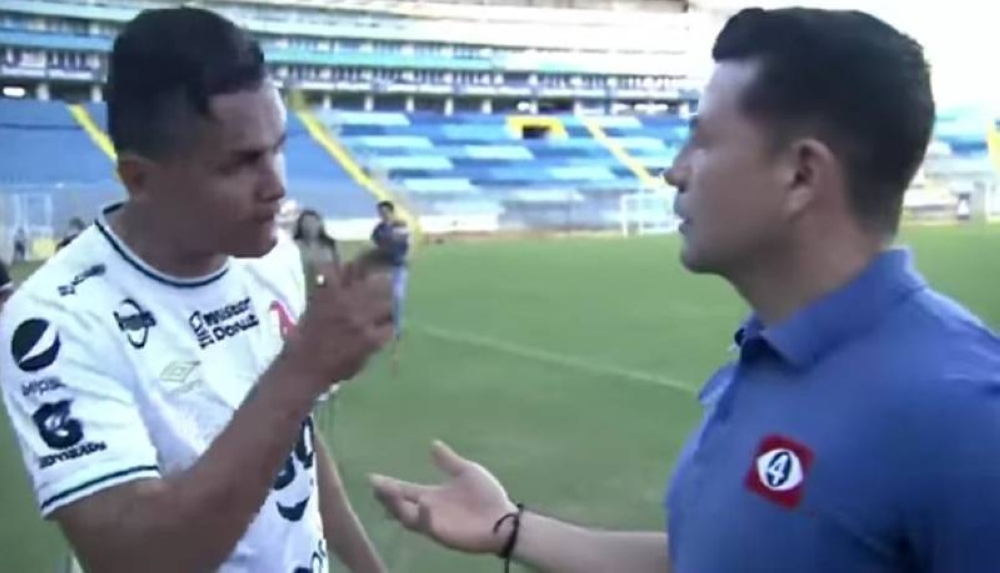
[
  {"x": 147, "y": 237},
  {"x": 788, "y": 282}
]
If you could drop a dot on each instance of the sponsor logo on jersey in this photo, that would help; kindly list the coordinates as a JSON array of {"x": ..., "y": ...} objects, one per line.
[
  {"x": 135, "y": 322},
  {"x": 282, "y": 319},
  {"x": 176, "y": 377},
  {"x": 41, "y": 386},
  {"x": 94, "y": 271},
  {"x": 779, "y": 470},
  {"x": 60, "y": 431},
  {"x": 223, "y": 323},
  {"x": 35, "y": 344}
]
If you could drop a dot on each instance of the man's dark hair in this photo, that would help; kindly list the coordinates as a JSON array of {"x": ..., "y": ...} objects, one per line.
[
  {"x": 848, "y": 79},
  {"x": 165, "y": 65},
  {"x": 387, "y": 205}
]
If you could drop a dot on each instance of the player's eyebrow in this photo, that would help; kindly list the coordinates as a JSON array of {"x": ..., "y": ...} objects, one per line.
[{"x": 252, "y": 152}]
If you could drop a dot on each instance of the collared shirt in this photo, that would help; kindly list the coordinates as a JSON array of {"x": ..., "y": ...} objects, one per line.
[{"x": 860, "y": 435}]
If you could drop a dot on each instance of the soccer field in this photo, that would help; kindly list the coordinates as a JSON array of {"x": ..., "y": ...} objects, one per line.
[{"x": 567, "y": 366}]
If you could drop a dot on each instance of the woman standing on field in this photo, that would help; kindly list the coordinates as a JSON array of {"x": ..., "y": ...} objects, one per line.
[{"x": 318, "y": 248}]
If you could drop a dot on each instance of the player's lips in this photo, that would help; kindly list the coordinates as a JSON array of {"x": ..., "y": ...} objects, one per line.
[{"x": 266, "y": 218}]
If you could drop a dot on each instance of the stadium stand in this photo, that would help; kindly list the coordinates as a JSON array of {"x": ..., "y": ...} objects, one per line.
[
  {"x": 552, "y": 167},
  {"x": 50, "y": 171},
  {"x": 474, "y": 117},
  {"x": 32, "y": 133}
]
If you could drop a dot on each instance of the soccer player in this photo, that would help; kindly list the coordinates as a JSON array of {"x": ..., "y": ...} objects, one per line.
[
  {"x": 392, "y": 239},
  {"x": 161, "y": 370},
  {"x": 6, "y": 285},
  {"x": 857, "y": 428}
]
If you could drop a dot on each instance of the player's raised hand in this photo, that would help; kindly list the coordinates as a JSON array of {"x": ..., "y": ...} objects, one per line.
[
  {"x": 459, "y": 513},
  {"x": 347, "y": 319}
]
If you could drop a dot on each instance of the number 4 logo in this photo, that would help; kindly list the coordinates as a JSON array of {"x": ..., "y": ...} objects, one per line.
[{"x": 779, "y": 470}]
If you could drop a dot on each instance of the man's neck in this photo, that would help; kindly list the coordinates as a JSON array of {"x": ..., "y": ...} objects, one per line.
[
  {"x": 146, "y": 236},
  {"x": 778, "y": 288}
]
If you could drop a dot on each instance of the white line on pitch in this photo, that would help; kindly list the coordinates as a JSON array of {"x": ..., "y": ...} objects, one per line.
[{"x": 549, "y": 357}]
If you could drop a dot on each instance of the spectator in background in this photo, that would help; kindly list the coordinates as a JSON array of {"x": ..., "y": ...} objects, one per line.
[
  {"x": 20, "y": 246},
  {"x": 73, "y": 230},
  {"x": 392, "y": 239},
  {"x": 6, "y": 285},
  {"x": 318, "y": 248}
]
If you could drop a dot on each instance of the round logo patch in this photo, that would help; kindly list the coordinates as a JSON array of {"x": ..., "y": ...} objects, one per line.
[
  {"x": 779, "y": 470},
  {"x": 35, "y": 345}
]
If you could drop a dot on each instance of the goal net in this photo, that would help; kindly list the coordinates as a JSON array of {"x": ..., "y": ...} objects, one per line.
[{"x": 648, "y": 213}]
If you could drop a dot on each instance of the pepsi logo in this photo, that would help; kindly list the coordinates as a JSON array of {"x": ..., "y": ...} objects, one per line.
[{"x": 35, "y": 345}]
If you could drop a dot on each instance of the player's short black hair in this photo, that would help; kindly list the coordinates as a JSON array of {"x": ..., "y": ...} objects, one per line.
[
  {"x": 387, "y": 205},
  {"x": 169, "y": 62},
  {"x": 848, "y": 79}
]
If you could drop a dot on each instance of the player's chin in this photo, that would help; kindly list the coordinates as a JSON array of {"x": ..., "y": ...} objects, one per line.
[{"x": 257, "y": 245}]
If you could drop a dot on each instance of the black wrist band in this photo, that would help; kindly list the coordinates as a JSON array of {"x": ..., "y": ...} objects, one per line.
[{"x": 508, "y": 548}]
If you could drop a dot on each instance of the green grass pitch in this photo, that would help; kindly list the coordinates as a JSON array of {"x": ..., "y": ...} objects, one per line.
[{"x": 567, "y": 366}]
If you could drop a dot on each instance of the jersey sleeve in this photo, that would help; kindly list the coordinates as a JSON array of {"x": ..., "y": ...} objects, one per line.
[{"x": 77, "y": 423}]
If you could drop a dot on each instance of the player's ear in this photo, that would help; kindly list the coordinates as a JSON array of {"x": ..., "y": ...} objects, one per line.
[{"x": 134, "y": 171}]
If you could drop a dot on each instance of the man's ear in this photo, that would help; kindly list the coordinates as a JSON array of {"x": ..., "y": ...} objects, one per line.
[{"x": 812, "y": 168}]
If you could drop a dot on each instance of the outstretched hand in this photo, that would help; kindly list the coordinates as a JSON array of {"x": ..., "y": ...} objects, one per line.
[{"x": 459, "y": 513}]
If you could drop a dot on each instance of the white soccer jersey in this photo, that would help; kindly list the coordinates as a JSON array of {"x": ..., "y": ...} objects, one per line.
[{"x": 112, "y": 372}]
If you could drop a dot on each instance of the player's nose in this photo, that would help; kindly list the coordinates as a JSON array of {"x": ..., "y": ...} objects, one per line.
[
  {"x": 675, "y": 176},
  {"x": 271, "y": 186}
]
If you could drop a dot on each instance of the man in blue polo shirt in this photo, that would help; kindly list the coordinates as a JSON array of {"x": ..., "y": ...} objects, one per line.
[{"x": 857, "y": 427}]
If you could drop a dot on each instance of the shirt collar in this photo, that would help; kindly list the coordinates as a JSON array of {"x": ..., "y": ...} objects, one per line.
[{"x": 836, "y": 317}]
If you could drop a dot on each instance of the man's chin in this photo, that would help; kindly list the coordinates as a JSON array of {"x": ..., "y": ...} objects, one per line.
[
  {"x": 256, "y": 249},
  {"x": 691, "y": 259}
]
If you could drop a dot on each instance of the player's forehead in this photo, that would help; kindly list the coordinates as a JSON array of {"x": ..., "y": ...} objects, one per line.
[{"x": 246, "y": 120}]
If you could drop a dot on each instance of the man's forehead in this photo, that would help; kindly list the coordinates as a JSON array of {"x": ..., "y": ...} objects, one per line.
[
  {"x": 726, "y": 86},
  {"x": 248, "y": 118}
]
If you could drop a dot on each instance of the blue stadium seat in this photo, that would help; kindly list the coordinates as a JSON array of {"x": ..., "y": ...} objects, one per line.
[
  {"x": 41, "y": 144},
  {"x": 33, "y": 134}
]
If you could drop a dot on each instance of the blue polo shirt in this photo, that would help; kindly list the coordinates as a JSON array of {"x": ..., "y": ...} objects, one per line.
[{"x": 862, "y": 435}]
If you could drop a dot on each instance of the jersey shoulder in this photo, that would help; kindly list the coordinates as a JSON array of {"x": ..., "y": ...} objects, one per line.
[
  {"x": 69, "y": 292},
  {"x": 69, "y": 281}
]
